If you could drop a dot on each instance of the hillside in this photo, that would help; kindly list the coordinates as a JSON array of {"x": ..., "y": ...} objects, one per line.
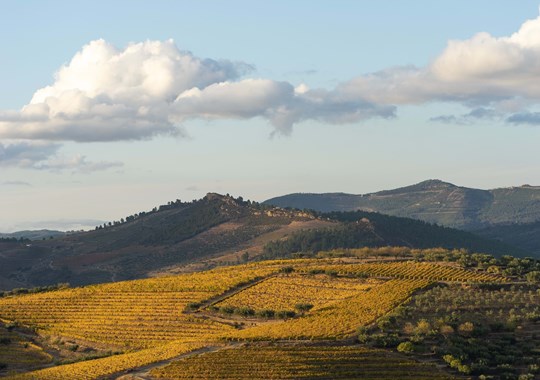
[
  {"x": 32, "y": 234},
  {"x": 367, "y": 229},
  {"x": 526, "y": 236},
  {"x": 348, "y": 317},
  {"x": 216, "y": 230},
  {"x": 433, "y": 201},
  {"x": 174, "y": 234}
]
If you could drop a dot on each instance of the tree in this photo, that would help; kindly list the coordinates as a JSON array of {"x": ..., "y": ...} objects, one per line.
[
  {"x": 405, "y": 347},
  {"x": 533, "y": 277}
]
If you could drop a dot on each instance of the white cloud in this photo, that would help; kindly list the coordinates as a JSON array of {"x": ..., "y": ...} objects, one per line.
[
  {"x": 151, "y": 88},
  {"x": 483, "y": 70},
  {"x": 44, "y": 156}
]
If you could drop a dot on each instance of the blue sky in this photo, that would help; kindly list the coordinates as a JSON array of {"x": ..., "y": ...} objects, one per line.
[{"x": 304, "y": 96}]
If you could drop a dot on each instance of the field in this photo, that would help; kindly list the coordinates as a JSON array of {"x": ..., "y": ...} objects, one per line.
[
  {"x": 341, "y": 319},
  {"x": 286, "y": 292},
  {"x": 129, "y": 315},
  {"x": 299, "y": 362},
  {"x": 159, "y": 319}
]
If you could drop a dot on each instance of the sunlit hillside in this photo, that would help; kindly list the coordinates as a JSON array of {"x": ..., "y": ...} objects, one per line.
[{"x": 312, "y": 314}]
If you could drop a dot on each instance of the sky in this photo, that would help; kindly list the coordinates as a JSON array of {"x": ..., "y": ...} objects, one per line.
[{"x": 109, "y": 108}]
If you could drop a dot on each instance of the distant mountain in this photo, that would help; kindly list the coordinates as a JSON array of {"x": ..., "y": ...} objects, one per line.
[
  {"x": 432, "y": 201},
  {"x": 214, "y": 230},
  {"x": 33, "y": 234}
]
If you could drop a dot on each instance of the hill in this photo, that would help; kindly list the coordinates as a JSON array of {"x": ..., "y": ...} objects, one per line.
[
  {"x": 32, "y": 234},
  {"x": 215, "y": 230},
  {"x": 135, "y": 246},
  {"x": 347, "y": 317},
  {"x": 367, "y": 229},
  {"x": 433, "y": 201},
  {"x": 526, "y": 236}
]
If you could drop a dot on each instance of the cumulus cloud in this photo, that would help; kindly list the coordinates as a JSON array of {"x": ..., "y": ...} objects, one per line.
[
  {"x": 279, "y": 102},
  {"x": 151, "y": 88},
  {"x": 44, "y": 156},
  {"x": 483, "y": 70}
]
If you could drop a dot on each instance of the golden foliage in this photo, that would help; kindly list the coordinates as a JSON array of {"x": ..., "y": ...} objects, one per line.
[
  {"x": 94, "y": 369},
  {"x": 298, "y": 362},
  {"x": 285, "y": 291},
  {"x": 339, "y": 320}
]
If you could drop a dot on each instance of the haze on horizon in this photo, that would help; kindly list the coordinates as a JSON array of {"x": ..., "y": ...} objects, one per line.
[{"x": 107, "y": 113}]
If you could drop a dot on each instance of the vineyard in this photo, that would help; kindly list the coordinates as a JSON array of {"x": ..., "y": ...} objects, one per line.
[
  {"x": 285, "y": 292},
  {"x": 158, "y": 319},
  {"x": 94, "y": 369},
  {"x": 408, "y": 270},
  {"x": 341, "y": 319},
  {"x": 298, "y": 362},
  {"x": 133, "y": 314}
]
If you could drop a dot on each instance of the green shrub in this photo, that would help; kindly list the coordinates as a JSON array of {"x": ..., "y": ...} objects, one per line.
[
  {"x": 244, "y": 311},
  {"x": 406, "y": 347}
]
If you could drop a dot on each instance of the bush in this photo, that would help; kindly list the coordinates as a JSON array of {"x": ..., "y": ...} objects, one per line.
[
  {"x": 405, "y": 347},
  {"x": 226, "y": 309},
  {"x": 331, "y": 273},
  {"x": 303, "y": 307},
  {"x": 193, "y": 306},
  {"x": 266, "y": 313},
  {"x": 287, "y": 270},
  {"x": 73, "y": 347},
  {"x": 283, "y": 314},
  {"x": 245, "y": 311},
  {"x": 533, "y": 277}
]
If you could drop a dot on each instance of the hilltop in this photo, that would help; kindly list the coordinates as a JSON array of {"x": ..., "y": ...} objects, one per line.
[
  {"x": 433, "y": 201},
  {"x": 504, "y": 214},
  {"x": 136, "y": 245},
  {"x": 215, "y": 230}
]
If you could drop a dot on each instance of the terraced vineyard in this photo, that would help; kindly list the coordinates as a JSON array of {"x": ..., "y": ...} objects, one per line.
[
  {"x": 409, "y": 270},
  {"x": 133, "y": 314},
  {"x": 341, "y": 319},
  {"x": 94, "y": 369},
  {"x": 158, "y": 319},
  {"x": 285, "y": 292},
  {"x": 299, "y": 362}
]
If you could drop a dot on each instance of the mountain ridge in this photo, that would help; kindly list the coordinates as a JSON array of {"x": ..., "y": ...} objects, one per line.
[{"x": 433, "y": 201}]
